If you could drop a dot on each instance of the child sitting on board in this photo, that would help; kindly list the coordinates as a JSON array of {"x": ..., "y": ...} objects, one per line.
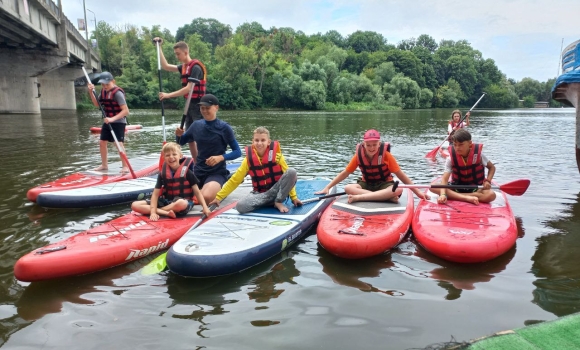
[
  {"x": 466, "y": 166},
  {"x": 176, "y": 185},
  {"x": 272, "y": 180},
  {"x": 377, "y": 165}
]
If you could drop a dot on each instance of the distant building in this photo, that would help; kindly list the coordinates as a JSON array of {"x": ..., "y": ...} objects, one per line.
[{"x": 541, "y": 104}]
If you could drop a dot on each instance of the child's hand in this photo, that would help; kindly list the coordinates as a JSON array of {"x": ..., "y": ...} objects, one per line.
[
  {"x": 206, "y": 211},
  {"x": 442, "y": 199},
  {"x": 90, "y": 86},
  {"x": 154, "y": 217},
  {"x": 322, "y": 191},
  {"x": 486, "y": 185},
  {"x": 215, "y": 202},
  {"x": 179, "y": 131},
  {"x": 297, "y": 202}
]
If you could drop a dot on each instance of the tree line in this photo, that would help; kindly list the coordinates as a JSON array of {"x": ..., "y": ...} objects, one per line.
[{"x": 254, "y": 67}]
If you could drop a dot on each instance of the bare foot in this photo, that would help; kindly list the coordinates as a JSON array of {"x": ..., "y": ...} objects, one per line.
[
  {"x": 352, "y": 198},
  {"x": 101, "y": 168},
  {"x": 124, "y": 170},
  {"x": 394, "y": 199},
  {"x": 171, "y": 214},
  {"x": 281, "y": 207},
  {"x": 472, "y": 200}
]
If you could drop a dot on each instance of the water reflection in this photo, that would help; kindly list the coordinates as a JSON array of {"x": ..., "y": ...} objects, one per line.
[{"x": 555, "y": 264}]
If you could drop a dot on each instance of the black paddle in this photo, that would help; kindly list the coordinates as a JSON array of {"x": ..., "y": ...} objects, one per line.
[{"x": 188, "y": 101}]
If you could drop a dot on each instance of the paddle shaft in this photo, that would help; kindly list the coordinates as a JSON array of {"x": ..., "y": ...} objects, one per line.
[
  {"x": 310, "y": 200},
  {"x": 513, "y": 188},
  {"x": 187, "y": 102},
  {"x": 161, "y": 90},
  {"x": 119, "y": 147},
  {"x": 460, "y": 121}
]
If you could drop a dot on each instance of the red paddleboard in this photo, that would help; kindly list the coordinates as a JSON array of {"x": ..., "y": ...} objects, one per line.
[
  {"x": 97, "y": 129},
  {"x": 465, "y": 233},
  {"x": 88, "y": 178},
  {"x": 363, "y": 229}
]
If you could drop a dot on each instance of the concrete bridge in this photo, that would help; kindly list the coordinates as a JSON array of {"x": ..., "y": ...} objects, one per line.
[{"x": 41, "y": 54}]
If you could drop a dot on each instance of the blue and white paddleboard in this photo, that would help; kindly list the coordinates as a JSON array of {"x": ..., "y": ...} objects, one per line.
[
  {"x": 106, "y": 194},
  {"x": 231, "y": 242}
]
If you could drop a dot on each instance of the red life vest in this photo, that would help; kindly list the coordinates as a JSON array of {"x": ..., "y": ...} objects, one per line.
[
  {"x": 176, "y": 184},
  {"x": 470, "y": 172},
  {"x": 264, "y": 172},
  {"x": 456, "y": 125},
  {"x": 108, "y": 102},
  {"x": 198, "y": 89},
  {"x": 375, "y": 170}
]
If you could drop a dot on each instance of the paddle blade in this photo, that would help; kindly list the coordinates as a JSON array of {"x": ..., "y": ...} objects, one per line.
[
  {"x": 516, "y": 188},
  {"x": 157, "y": 265},
  {"x": 433, "y": 153}
]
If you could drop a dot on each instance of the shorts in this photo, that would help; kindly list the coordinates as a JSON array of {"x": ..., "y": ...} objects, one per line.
[
  {"x": 462, "y": 190},
  {"x": 375, "y": 186},
  {"x": 193, "y": 114},
  {"x": 221, "y": 179},
  {"x": 163, "y": 202},
  {"x": 118, "y": 128}
]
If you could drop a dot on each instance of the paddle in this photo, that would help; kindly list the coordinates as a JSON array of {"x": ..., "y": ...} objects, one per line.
[
  {"x": 161, "y": 158},
  {"x": 514, "y": 188},
  {"x": 433, "y": 152},
  {"x": 314, "y": 199},
  {"x": 187, "y": 102},
  {"x": 119, "y": 147},
  {"x": 159, "y": 264}
]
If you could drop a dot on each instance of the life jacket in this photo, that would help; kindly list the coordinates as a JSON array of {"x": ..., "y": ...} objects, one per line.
[
  {"x": 108, "y": 102},
  {"x": 265, "y": 172},
  {"x": 198, "y": 89},
  {"x": 375, "y": 170},
  {"x": 456, "y": 125},
  {"x": 176, "y": 184},
  {"x": 470, "y": 172}
]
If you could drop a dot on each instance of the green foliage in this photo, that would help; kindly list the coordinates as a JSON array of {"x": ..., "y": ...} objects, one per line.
[
  {"x": 529, "y": 101},
  {"x": 283, "y": 67}
]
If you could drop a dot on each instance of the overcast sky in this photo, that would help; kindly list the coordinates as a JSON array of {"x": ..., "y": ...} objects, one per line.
[{"x": 523, "y": 37}]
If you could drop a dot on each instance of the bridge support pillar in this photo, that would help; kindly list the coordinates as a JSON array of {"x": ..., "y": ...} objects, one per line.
[
  {"x": 19, "y": 94},
  {"x": 57, "y": 88}
]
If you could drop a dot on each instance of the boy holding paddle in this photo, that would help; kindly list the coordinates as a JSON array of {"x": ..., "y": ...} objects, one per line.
[
  {"x": 113, "y": 101},
  {"x": 188, "y": 68},
  {"x": 273, "y": 181},
  {"x": 176, "y": 185},
  {"x": 466, "y": 166},
  {"x": 377, "y": 165}
]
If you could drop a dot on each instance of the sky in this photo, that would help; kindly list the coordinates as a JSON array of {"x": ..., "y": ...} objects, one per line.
[{"x": 523, "y": 37}]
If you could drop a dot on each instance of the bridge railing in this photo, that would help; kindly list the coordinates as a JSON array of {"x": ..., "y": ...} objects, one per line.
[{"x": 50, "y": 6}]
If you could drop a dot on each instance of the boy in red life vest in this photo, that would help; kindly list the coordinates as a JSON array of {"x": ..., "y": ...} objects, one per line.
[
  {"x": 112, "y": 98},
  {"x": 176, "y": 185},
  {"x": 466, "y": 166},
  {"x": 272, "y": 179},
  {"x": 377, "y": 165},
  {"x": 188, "y": 68}
]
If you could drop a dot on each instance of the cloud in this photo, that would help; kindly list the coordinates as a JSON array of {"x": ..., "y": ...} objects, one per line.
[{"x": 523, "y": 37}]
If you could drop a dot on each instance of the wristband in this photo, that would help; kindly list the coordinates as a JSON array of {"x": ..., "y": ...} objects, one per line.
[{"x": 443, "y": 194}]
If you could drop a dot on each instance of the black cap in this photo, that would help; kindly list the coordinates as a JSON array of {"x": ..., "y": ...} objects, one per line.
[
  {"x": 208, "y": 100},
  {"x": 106, "y": 78}
]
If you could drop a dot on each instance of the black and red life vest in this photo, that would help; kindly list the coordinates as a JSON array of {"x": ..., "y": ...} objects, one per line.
[
  {"x": 265, "y": 172},
  {"x": 468, "y": 171},
  {"x": 198, "y": 89},
  {"x": 176, "y": 184},
  {"x": 108, "y": 102},
  {"x": 375, "y": 170}
]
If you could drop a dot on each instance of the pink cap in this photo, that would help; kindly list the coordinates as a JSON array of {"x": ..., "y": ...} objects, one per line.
[{"x": 372, "y": 135}]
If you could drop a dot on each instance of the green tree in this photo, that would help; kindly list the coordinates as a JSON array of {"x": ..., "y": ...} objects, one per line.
[
  {"x": 407, "y": 63},
  {"x": 529, "y": 101},
  {"x": 334, "y": 37},
  {"x": 361, "y": 41},
  {"x": 251, "y": 31},
  {"x": 426, "y": 98},
  {"x": 210, "y": 30},
  {"x": 445, "y": 97},
  {"x": 529, "y": 87},
  {"x": 407, "y": 89},
  {"x": 313, "y": 94},
  {"x": 198, "y": 48}
]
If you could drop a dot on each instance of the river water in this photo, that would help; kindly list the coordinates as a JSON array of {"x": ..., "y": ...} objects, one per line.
[{"x": 304, "y": 297}]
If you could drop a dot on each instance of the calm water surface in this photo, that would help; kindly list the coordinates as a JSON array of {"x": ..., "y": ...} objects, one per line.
[{"x": 303, "y": 298}]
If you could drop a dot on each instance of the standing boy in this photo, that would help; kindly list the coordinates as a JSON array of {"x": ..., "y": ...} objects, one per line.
[
  {"x": 112, "y": 98},
  {"x": 377, "y": 165},
  {"x": 188, "y": 68},
  {"x": 466, "y": 166},
  {"x": 213, "y": 136},
  {"x": 272, "y": 179},
  {"x": 176, "y": 185}
]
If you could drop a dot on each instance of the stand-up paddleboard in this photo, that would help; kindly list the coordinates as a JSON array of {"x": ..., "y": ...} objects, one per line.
[
  {"x": 97, "y": 129},
  {"x": 466, "y": 233},
  {"x": 102, "y": 195},
  {"x": 122, "y": 240},
  {"x": 231, "y": 242},
  {"x": 363, "y": 229},
  {"x": 148, "y": 166}
]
